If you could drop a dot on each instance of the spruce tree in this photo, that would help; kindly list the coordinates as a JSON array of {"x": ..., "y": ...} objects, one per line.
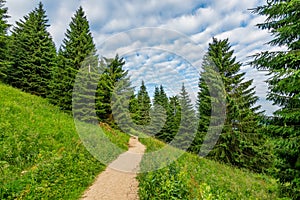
[
  {"x": 187, "y": 127},
  {"x": 3, "y": 40},
  {"x": 112, "y": 74},
  {"x": 133, "y": 108},
  {"x": 32, "y": 53},
  {"x": 162, "y": 106},
  {"x": 173, "y": 119},
  {"x": 121, "y": 101},
  {"x": 204, "y": 100},
  {"x": 144, "y": 105},
  {"x": 157, "y": 114},
  {"x": 77, "y": 46},
  {"x": 169, "y": 109},
  {"x": 156, "y": 96},
  {"x": 163, "y": 98},
  {"x": 239, "y": 144},
  {"x": 158, "y": 119},
  {"x": 84, "y": 93},
  {"x": 282, "y": 20}
]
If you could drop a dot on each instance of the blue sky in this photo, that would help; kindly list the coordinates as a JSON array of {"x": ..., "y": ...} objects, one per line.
[{"x": 163, "y": 41}]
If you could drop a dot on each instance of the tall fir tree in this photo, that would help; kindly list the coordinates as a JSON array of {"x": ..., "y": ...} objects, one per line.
[
  {"x": 156, "y": 96},
  {"x": 187, "y": 128},
  {"x": 84, "y": 92},
  {"x": 161, "y": 107},
  {"x": 32, "y": 53},
  {"x": 77, "y": 46},
  {"x": 204, "y": 100},
  {"x": 123, "y": 105},
  {"x": 144, "y": 106},
  {"x": 171, "y": 110},
  {"x": 163, "y": 98},
  {"x": 173, "y": 119},
  {"x": 3, "y": 40},
  {"x": 112, "y": 75},
  {"x": 133, "y": 108},
  {"x": 158, "y": 119},
  {"x": 239, "y": 143},
  {"x": 282, "y": 20}
]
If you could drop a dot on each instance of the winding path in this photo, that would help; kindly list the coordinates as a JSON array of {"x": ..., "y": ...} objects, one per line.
[{"x": 118, "y": 181}]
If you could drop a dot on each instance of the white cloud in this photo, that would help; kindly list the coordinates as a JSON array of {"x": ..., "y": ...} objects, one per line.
[{"x": 196, "y": 21}]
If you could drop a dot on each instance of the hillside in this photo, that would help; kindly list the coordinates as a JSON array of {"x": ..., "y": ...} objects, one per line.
[
  {"x": 41, "y": 154},
  {"x": 42, "y": 157},
  {"x": 192, "y": 177}
]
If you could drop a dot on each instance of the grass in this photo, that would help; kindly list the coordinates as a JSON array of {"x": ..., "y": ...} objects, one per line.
[
  {"x": 41, "y": 154},
  {"x": 192, "y": 177}
]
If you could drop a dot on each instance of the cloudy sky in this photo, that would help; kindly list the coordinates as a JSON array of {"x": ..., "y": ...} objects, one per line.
[{"x": 162, "y": 41}]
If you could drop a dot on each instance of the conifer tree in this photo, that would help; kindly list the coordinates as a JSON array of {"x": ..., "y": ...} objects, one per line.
[
  {"x": 122, "y": 99},
  {"x": 85, "y": 89},
  {"x": 161, "y": 107},
  {"x": 240, "y": 143},
  {"x": 160, "y": 96},
  {"x": 133, "y": 108},
  {"x": 32, "y": 53},
  {"x": 77, "y": 46},
  {"x": 144, "y": 105},
  {"x": 173, "y": 119},
  {"x": 282, "y": 20},
  {"x": 204, "y": 101},
  {"x": 187, "y": 127},
  {"x": 169, "y": 109},
  {"x": 113, "y": 73},
  {"x": 156, "y": 96},
  {"x": 163, "y": 98},
  {"x": 3, "y": 39},
  {"x": 158, "y": 119}
]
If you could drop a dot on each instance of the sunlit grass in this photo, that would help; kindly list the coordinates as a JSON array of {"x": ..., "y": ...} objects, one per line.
[
  {"x": 41, "y": 154},
  {"x": 192, "y": 177}
]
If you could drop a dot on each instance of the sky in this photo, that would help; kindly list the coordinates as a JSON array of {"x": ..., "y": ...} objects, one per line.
[{"x": 163, "y": 41}]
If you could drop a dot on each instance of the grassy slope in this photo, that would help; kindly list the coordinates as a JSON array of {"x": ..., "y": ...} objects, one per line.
[
  {"x": 192, "y": 177},
  {"x": 41, "y": 155}
]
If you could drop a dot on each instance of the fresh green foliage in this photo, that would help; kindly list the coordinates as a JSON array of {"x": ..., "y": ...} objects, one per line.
[
  {"x": 192, "y": 177},
  {"x": 41, "y": 155},
  {"x": 282, "y": 20},
  {"x": 239, "y": 143},
  {"x": 77, "y": 47},
  {"x": 32, "y": 53},
  {"x": 3, "y": 39}
]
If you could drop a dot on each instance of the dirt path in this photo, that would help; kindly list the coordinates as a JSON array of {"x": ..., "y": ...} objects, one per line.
[{"x": 118, "y": 181}]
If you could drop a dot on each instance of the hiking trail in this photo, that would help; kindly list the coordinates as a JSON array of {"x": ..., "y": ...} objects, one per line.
[{"x": 118, "y": 181}]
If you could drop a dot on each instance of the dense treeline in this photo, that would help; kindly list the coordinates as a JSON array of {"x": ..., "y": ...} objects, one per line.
[{"x": 29, "y": 61}]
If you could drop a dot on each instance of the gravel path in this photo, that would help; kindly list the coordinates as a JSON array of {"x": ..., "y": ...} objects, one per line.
[{"x": 118, "y": 181}]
